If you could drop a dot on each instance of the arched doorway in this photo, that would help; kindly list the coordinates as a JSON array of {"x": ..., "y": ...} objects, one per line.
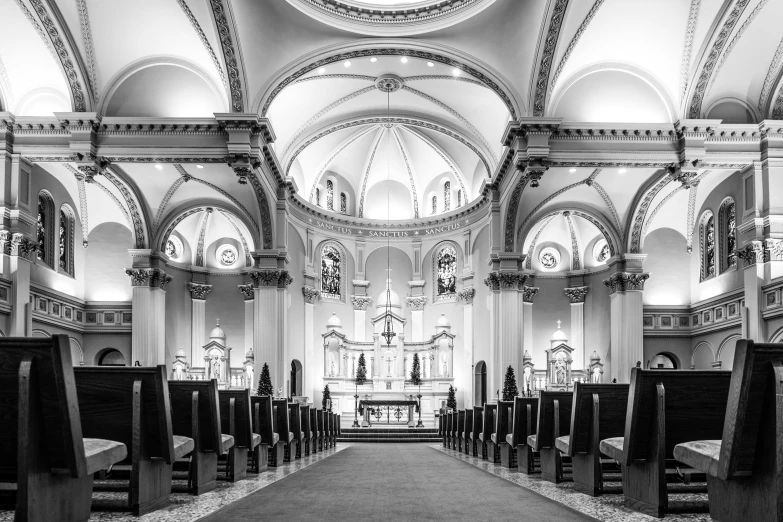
[
  {"x": 110, "y": 357},
  {"x": 480, "y": 384},
  {"x": 296, "y": 378},
  {"x": 663, "y": 361}
]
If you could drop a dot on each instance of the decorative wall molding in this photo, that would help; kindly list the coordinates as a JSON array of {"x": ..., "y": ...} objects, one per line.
[
  {"x": 311, "y": 295},
  {"x": 364, "y": 77},
  {"x": 572, "y": 45},
  {"x": 609, "y": 203},
  {"x": 361, "y": 302},
  {"x": 231, "y": 53},
  {"x": 499, "y": 280},
  {"x": 89, "y": 49},
  {"x": 148, "y": 277},
  {"x": 271, "y": 278},
  {"x": 625, "y": 281},
  {"x": 83, "y": 216},
  {"x": 685, "y": 64},
  {"x": 247, "y": 291},
  {"x": 769, "y": 81},
  {"x": 546, "y": 55}
]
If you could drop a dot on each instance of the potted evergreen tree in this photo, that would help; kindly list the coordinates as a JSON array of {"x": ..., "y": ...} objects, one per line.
[
  {"x": 416, "y": 381},
  {"x": 510, "y": 389},
  {"x": 265, "y": 382},
  {"x": 451, "y": 400},
  {"x": 361, "y": 378},
  {"x": 326, "y": 402}
]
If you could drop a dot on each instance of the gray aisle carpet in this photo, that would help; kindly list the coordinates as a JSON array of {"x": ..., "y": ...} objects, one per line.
[{"x": 394, "y": 482}]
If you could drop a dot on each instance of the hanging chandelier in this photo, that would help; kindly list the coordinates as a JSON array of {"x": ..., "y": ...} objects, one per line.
[{"x": 388, "y": 324}]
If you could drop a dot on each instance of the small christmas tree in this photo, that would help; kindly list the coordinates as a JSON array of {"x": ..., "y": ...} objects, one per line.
[
  {"x": 510, "y": 389},
  {"x": 451, "y": 401},
  {"x": 265, "y": 382},
  {"x": 361, "y": 371},
  {"x": 416, "y": 371},
  {"x": 326, "y": 402}
]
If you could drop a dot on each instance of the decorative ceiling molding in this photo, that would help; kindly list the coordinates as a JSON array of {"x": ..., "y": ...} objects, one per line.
[
  {"x": 445, "y": 77},
  {"x": 202, "y": 233},
  {"x": 685, "y": 63},
  {"x": 609, "y": 204},
  {"x": 38, "y": 29},
  {"x": 306, "y": 125},
  {"x": 693, "y": 193},
  {"x": 532, "y": 249},
  {"x": 640, "y": 208},
  {"x": 773, "y": 73},
  {"x": 263, "y": 208},
  {"x": 76, "y": 74},
  {"x": 655, "y": 211},
  {"x": 571, "y": 46},
  {"x": 546, "y": 54},
  {"x": 446, "y": 158},
  {"x": 80, "y": 177},
  {"x": 83, "y": 211},
  {"x": 89, "y": 49},
  {"x": 707, "y": 63},
  {"x": 232, "y": 53},
  {"x": 368, "y": 165},
  {"x": 362, "y": 77},
  {"x": 334, "y": 153},
  {"x": 777, "y": 104},
  {"x": 233, "y": 200},
  {"x": 230, "y": 218},
  {"x": 164, "y": 203},
  {"x": 173, "y": 224},
  {"x": 411, "y": 177},
  {"x": 205, "y": 42},
  {"x": 533, "y": 212},
  {"x": 138, "y": 219},
  {"x": 576, "y": 263},
  {"x": 6, "y": 89},
  {"x": 602, "y": 227}
]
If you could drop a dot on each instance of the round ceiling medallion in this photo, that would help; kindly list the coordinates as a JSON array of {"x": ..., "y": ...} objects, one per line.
[{"x": 388, "y": 83}]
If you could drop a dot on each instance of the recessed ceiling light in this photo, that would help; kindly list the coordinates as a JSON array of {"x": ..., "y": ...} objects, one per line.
[
  {"x": 373, "y": 59},
  {"x": 159, "y": 166},
  {"x": 347, "y": 63},
  {"x": 571, "y": 170},
  {"x": 430, "y": 64},
  {"x": 199, "y": 166},
  {"x": 622, "y": 171},
  {"x": 322, "y": 70},
  {"x": 404, "y": 59},
  {"x": 455, "y": 72}
]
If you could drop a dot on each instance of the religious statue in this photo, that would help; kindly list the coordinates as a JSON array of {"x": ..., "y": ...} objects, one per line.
[
  {"x": 214, "y": 367},
  {"x": 332, "y": 369},
  {"x": 249, "y": 374},
  {"x": 560, "y": 371},
  {"x": 445, "y": 368}
]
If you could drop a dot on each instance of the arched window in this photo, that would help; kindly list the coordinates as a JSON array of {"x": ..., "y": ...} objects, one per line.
[
  {"x": 459, "y": 198},
  {"x": 434, "y": 204},
  {"x": 728, "y": 234},
  {"x": 45, "y": 229},
  {"x": 707, "y": 240},
  {"x": 318, "y": 196},
  {"x": 331, "y": 273},
  {"x": 445, "y": 261},
  {"x": 66, "y": 240},
  {"x": 329, "y": 195},
  {"x": 343, "y": 203},
  {"x": 447, "y": 196}
]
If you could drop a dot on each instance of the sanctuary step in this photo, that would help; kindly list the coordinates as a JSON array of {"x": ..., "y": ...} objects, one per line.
[{"x": 387, "y": 434}]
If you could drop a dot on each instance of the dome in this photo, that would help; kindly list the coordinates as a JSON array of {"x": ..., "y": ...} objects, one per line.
[
  {"x": 334, "y": 322},
  {"x": 443, "y": 322},
  {"x": 217, "y": 333},
  {"x": 395, "y": 299},
  {"x": 559, "y": 336}
]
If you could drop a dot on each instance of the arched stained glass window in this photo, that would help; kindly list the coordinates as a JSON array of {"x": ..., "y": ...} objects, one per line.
[
  {"x": 318, "y": 196},
  {"x": 41, "y": 228},
  {"x": 446, "y": 271},
  {"x": 447, "y": 196},
  {"x": 459, "y": 198},
  {"x": 434, "y": 204},
  {"x": 45, "y": 229},
  {"x": 329, "y": 195},
  {"x": 707, "y": 237},
  {"x": 343, "y": 203},
  {"x": 66, "y": 241},
  {"x": 331, "y": 276},
  {"x": 728, "y": 234}
]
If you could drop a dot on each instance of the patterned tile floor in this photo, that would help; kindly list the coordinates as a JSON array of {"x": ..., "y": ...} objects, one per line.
[
  {"x": 607, "y": 508},
  {"x": 186, "y": 507}
]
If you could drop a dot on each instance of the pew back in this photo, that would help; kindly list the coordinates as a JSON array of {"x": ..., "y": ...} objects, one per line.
[
  {"x": 242, "y": 430},
  {"x": 503, "y": 416},
  {"x": 612, "y": 405},
  {"x": 478, "y": 422},
  {"x": 264, "y": 422},
  {"x": 488, "y": 427},
  {"x": 52, "y": 371},
  {"x": 106, "y": 398},
  {"x": 467, "y": 424},
  {"x": 181, "y": 393},
  {"x": 547, "y": 431},
  {"x": 319, "y": 417},
  {"x": 695, "y": 409},
  {"x": 281, "y": 420},
  {"x": 304, "y": 411},
  {"x": 522, "y": 423},
  {"x": 460, "y": 419},
  {"x": 314, "y": 423}
]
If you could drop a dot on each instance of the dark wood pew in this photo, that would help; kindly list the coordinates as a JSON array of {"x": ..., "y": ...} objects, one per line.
[
  {"x": 745, "y": 467},
  {"x": 269, "y": 449},
  {"x": 314, "y": 429},
  {"x": 339, "y": 427},
  {"x": 459, "y": 418},
  {"x": 320, "y": 417},
  {"x": 295, "y": 425},
  {"x": 554, "y": 420},
  {"x": 195, "y": 413},
  {"x": 454, "y": 434},
  {"x": 665, "y": 408},
  {"x": 598, "y": 413},
  {"x": 447, "y": 429},
  {"x": 327, "y": 429},
  {"x": 132, "y": 406},
  {"x": 523, "y": 426},
  {"x": 236, "y": 419},
  {"x": 332, "y": 428},
  {"x": 467, "y": 433},
  {"x": 44, "y": 459},
  {"x": 487, "y": 429},
  {"x": 478, "y": 425},
  {"x": 503, "y": 417},
  {"x": 307, "y": 439},
  {"x": 282, "y": 425},
  {"x": 440, "y": 428}
]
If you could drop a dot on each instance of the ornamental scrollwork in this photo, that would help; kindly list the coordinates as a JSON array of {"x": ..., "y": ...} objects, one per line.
[
  {"x": 361, "y": 302},
  {"x": 229, "y": 55},
  {"x": 752, "y": 253},
  {"x": 271, "y": 278},
  {"x": 199, "y": 291},
  {"x": 467, "y": 295},
  {"x": 547, "y": 57},
  {"x": 624, "y": 281},
  {"x": 529, "y": 293},
  {"x": 311, "y": 295},
  {"x": 23, "y": 246},
  {"x": 247, "y": 291},
  {"x": 417, "y": 303},
  {"x": 774, "y": 248},
  {"x": 148, "y": 277},
  {"x": 577, "y": 294},
  {"x": 505, "y": 281}
]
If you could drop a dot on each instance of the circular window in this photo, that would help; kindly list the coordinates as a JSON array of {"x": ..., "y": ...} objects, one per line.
[
  {"x": 549, "y": 258},
  {"x": 227, "y": 255},
  {"x": 174, "y": 248},
  {"x": 601, "y": 251}
]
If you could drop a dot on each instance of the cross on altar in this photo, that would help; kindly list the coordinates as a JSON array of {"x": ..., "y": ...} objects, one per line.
[{"x": 558, "y": 323}]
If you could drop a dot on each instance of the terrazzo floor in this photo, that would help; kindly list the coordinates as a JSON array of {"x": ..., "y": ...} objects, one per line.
[
  {"x": 607, "y": 508},
  {"x": 186, "y": 507}
]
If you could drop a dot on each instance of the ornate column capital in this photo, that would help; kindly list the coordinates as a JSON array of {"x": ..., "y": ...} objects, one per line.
[
  {"x": 247, "y": 291},
  {"x": 498, "y": 280},
  {"x": 361, "y": 302},
  {"x": 18, "y": 245},
  {"x": 148, "y": 277},
  {"x": 271, "y": 278},
  {"x": 625, "y": 281},
  {"x": 199, "y": 291},
  {"x": 577, "y": 294},
  {"x": 528, "y": 293},
  {"x": 774, "y": 249},
  {"x": 467, "y": 295},
  {"x": 416, "y": 303},
  {"x": 311, "y": 295},
  {"x": 752, "y": 253}
]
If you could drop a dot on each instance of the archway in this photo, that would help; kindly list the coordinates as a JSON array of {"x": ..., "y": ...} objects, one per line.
[
  {"x": 663, "y": 361},
  {"x": 110, "y": 357},
  {"x": 296, "y": 378},
  {"x": 480, "y": 384}
]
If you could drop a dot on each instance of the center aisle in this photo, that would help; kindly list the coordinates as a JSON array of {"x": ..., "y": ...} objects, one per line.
[{"x": 394, "y": 482}]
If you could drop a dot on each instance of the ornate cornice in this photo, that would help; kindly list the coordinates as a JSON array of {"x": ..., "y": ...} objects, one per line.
[
  {"x": 360, "y": 302},
  {"x": 753, "y": 253},
  {"x": 311, "y": 295},
  {"x": 202, "y": 236},
  {"x": 230, "y": 54},
  {"x": 529, "y": 293},
  {"x": 416, "y": 304},
  {"x": 199, "y": 291},
  {"x": 547, "y": 56},
  {"x": 19, "y": 245},
  {"x": 577, "y": 294},
  {"x": 148, "y": 277},
  {"x": 497, "y": 281},
  {"x": 247, "y": 291},
  {"x": 620, "y": 282},
  {"x": 466, "y": 295},
  {"x": 271, "y": 278},
  {"x": 83, "y": 215},
  {"x": 263, "y": 207},
  {"x": 84, "y": 19}
]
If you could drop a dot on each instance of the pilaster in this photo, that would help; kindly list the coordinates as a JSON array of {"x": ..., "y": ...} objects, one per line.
[
  {"x": 247, "y": 294},
  {"x": 148, "y": 333},
  {"x": 528, "y": 294},
  {"x": 311, "y": 296},
  {"x": 269, "y": 322},
  {"x": 577, "y": 297},
  {"x": 361, "y": 301},
  {"x": 462, "y": 374},
  {"x": 20, "y": 252},
  {"x": 198, "y": 326},
  {"x": 416, "y": 302}
]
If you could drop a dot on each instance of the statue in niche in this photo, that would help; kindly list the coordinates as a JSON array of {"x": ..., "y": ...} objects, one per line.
[
  {"x": 249, "y": 374},
  {"x": 332, "y": 369},
  {"x": 527, "y": 379},
  {"x": 214, "y": 367},
  {"x": 560, "y": 370}
]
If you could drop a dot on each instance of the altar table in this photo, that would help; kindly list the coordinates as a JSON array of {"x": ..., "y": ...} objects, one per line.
[{"x": 393, "y": 407}]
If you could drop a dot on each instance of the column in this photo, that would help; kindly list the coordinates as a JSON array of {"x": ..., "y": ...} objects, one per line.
[
  {"x": 416, "y": 304},
  {"x": 463, "y": 376},
  {"x": 528, "y": 294},
  {"x": 753, "y": 324},
  {"x": 198, "y": 325},
  {"x": 247, "y": 293},
  {"x": 360, "y": 305},
  {"x": 577, "y": 296},
  {"x": 21, "y": 253},
  {"x": 148, "y": 333},
  {"x": 269, "y": 311},
  {"x": 310, "y": 369}
]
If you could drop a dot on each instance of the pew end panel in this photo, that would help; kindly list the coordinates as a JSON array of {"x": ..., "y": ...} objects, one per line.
[{"x": 554, "y": 420}]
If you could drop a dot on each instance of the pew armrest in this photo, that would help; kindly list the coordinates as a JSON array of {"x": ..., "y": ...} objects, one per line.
[
  {"x": 275, "y": 438},
  {"x": 703, "y": 455},
  {"x": 226, "y": 443},
  {"x": 182, "y": 446},
  {"x": 256, "y": 440},
  {"x": 481, "y": 437},
  {"x": 563, "y": 443},
  {"x": 102, "y": 454},
  {"x": 613, "y": 448},
  {"x": 494, "y": 438},
  {"x": 510, "y": 439},
  {"x": 531, "y": 441}
]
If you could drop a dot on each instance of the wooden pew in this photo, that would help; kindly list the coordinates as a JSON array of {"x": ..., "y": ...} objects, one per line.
[
  {"x": 467, "y": 433},
  {"x": 459, "y": 418},
  {"x": 745, "y": 468},
  {"x": 339, "y": 428},
  {"x": 270, "y": 449},
  {"x": 523, "y": 426},
  {"x": 236, "y": 419},
  {"x": 327, "y": 429},
  {"x": 132, "y": 406},
  {"x": 287, "y": 439},
  {"x": 598, "y": 413},
  {"x": 440, "y": 428},
  {"x": 487, "y": 429},
  {"x": 454, "y": 435},
  {"x": 307, "y": 439},
  {"x": 447, "y": 429},
  {"x": 314, "y": 429},
  {"x": 319, "y": 416},
  {"x": 554, "y": 420},
  {"x": 43, "y": 457},
  {"x": 295, "y": 425},
  {"x": 195, "y": 413},
  {"x": 503, "y": 417},
  {"x": 332, "y": 428},
  {"x": 665, "y": 408},
  {"x": 478, "y": 425}
]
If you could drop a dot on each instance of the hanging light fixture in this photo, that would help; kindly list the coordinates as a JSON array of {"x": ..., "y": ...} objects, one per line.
[{"x": 388, "y": 324}]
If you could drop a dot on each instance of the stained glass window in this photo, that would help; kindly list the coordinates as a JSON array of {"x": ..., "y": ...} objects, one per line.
[
  {"x": 447, "y": 196},
  {"x": 63, "y": 241},
  {"x": 731, "y": 234},
  {"x": 601, "y": 251},
  {"x": 434, "y": 204},
  {"x": 318, "y": 197},
  {"x": 459, "y": 198},
  {"x": 330, "y": 272},
  {"x": 343, "y": 203},
  {"x": 42, "y": 228},
  {"x": 447, "y": 272},
  {"x": 227, "y": 255},
  {"x": 329, "y": 195},
  {"x": 709, "y": 248}
]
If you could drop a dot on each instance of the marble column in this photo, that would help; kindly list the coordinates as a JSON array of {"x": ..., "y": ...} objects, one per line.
[
  {"x": 148, "y": 333},
  {"x": 311, "y": 369},
  {"x": 753, "y": 324},
  {"x": 577, "y": 297},
  {"x": 247, "y": 293},
  {"x": 20, "y": 253},
  {"x": 360, "y": 305},
  {"x": 198, "y": 325},
  {"x": 626, "y": 331},
  {"x": 269, "y": 311},
  {"x": 416, "y": 304},
  {"x": 528, "y": 295},
  {"x": 465, "y": 296}
]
